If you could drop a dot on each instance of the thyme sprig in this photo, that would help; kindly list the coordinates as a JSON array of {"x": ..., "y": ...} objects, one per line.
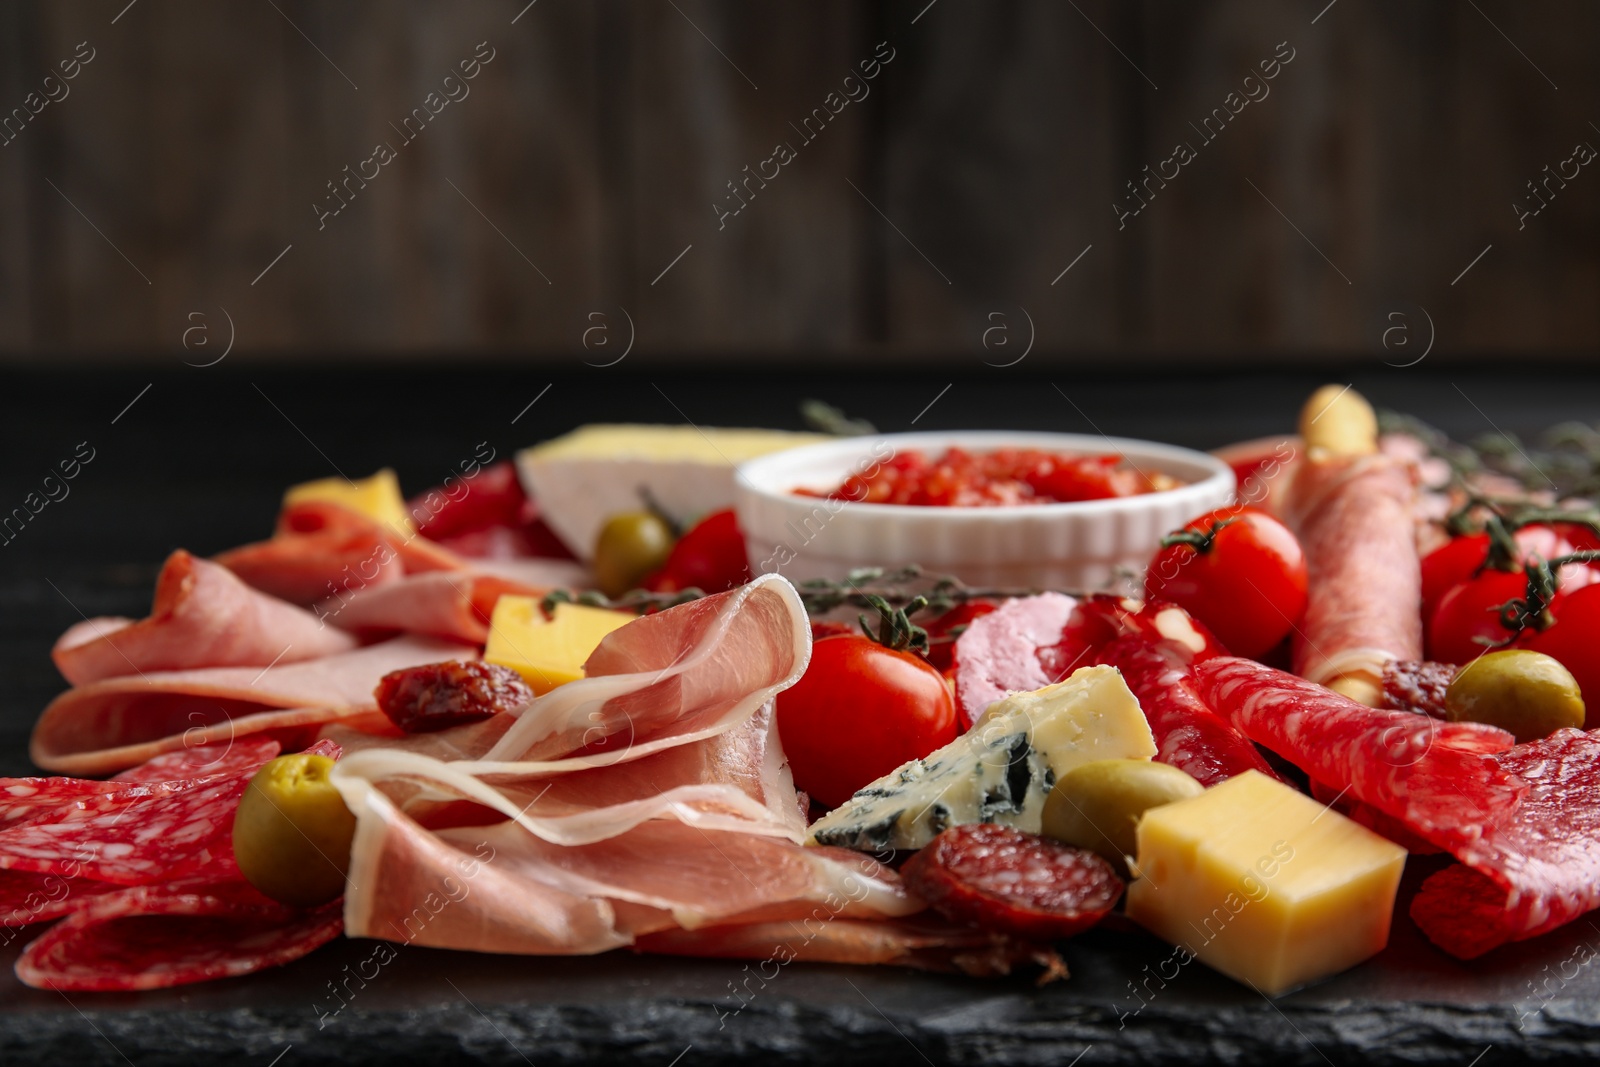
[{"x": 869, "y": 589}]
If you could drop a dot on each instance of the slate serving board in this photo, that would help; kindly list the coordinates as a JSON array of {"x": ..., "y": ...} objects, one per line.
[{"x": 199, "y": 460}]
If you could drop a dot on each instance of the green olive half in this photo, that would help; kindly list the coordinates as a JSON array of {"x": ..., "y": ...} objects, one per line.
[
  {"x": 1528, "y": 694},
  {"x": 630, "y": 547},
  {"x": 292, "y": 832},
  {"x": 1097, "y": 806}
]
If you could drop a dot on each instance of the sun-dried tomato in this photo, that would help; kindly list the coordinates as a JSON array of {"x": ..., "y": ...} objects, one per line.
[{"x": 436, "y": 696}]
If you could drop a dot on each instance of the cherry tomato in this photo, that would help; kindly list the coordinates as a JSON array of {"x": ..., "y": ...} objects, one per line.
[
  {"x": 1458, "y": 561},
  {"x": 1573, "y": 641},
  {"x": 1247, "y": 584},
  {"x": 1450, "y": 565},
  {"x": 710, "y": 556},
  {"x": 858, "y": 712},
  {"x": 1470, "y": 612}
]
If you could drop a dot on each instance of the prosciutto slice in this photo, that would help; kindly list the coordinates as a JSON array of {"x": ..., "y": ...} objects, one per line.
[
  {"x": 203, "y": 616},
  {"x": 118, "y": 723},
  {"x": 1355, "y": 517},
  {"x": 649, "y": 796},
  {"x": 151, "y": 937},
  {"x": 923, "y": 942}
]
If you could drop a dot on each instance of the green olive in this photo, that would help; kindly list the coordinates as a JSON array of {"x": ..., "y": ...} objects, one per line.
[
  {"x": 1097, "y": 806},
  {"x": 630, "y": 546},
  {"x": 1529, "y": 694},
  {"x": 292, "y": 832}
]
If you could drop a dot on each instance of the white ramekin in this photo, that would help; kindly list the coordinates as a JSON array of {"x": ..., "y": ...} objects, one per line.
[{"x": 1091, "y": 545}]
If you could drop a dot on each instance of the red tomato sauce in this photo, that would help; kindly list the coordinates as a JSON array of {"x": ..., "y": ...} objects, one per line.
[{"x": 1005, "y": 477}]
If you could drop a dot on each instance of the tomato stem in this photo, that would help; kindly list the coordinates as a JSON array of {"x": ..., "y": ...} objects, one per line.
[
  {"x": 1532, "y": 609},
  {"x": 1199, "y": 540},
  {"x": 896, "y": 631}
]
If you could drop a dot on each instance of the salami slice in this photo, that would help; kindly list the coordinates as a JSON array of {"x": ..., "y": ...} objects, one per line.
[
  {"x": 248, "y": 754},
  {"x": 27, "y": 897},
  {"x": 151, "y": 937},
  {"x": 1000, "y": 879},
  {"x": 1437, "y": 778},
  {"x": 1189, "y": 735},
  {"x": 135, "y": 832},
  {"x": 1533, "y": 871}
]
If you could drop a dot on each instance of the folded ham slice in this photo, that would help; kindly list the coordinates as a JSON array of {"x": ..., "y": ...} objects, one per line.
[
  {"x": 1356, "y": 520},
  {"x": 322, "y": 552},
  {"x": 451, "y": 604},
  {"x": 121, "y": 722},
  {"x": 319, "y": 550},
  {"x": 203, "y": 616}
]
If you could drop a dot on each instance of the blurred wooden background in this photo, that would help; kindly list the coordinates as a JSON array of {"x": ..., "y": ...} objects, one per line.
[{"x": 986, "y": 158}]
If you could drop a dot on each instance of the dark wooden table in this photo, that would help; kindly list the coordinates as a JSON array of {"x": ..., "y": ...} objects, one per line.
[{"x": 199, "y": 461}]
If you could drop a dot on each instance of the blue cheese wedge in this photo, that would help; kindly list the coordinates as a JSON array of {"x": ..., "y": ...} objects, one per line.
[{"x": 1001, "y": 770}]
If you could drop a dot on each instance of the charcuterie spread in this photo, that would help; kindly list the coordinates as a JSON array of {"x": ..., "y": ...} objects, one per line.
[{"x": 557, "y": 707}]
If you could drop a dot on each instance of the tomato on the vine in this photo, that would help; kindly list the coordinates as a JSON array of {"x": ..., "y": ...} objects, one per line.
[
  {"x": 858, "y": 712},
  {"x": 1461, "y": 558},
  {"x": 1466, "y": 624},
  {"x": 710, "y": 556},
  {"x": 1573, "y": 641},
  {"x": 1240, "y": 572}
]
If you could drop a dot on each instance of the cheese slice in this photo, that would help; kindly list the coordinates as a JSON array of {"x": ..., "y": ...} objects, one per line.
[
  {"x": 1264, "y": 884},
  {"x": 585, "y": 477},
  {"x": 1001, "y": 770},
  {"x": 547, "y": 653},
  {"x": 377, "y": 497}
]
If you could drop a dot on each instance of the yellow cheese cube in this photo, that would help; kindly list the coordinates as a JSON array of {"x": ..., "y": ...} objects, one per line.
[
  {"x": 547, "y": 652},
  {"x": 1264, "y": 884},
  {"x": 377, "y": 497}
]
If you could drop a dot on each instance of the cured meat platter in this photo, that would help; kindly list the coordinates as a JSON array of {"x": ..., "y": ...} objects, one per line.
[{"x": 808, "y": 738}]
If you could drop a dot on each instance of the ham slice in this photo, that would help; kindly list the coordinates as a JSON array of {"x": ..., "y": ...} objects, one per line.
[
  {"x": 447, "y": 604},
  {"x": 329, "y": 556},
  {"x": 151, "y": 937},
  {"x": 1355, "y": 517},
  {"x": 999, "y": 652},
  {"x": 117, "y": 723},
  {"x": 319, "y": 550},
  {"x": 203, "y": 616}
]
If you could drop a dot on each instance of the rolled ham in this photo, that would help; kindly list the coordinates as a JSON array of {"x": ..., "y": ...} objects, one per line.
[
  {"x": 1355, "y": 517},
  {"x": 117, "y": 723},
  {"x": 203, "y": 616}
]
